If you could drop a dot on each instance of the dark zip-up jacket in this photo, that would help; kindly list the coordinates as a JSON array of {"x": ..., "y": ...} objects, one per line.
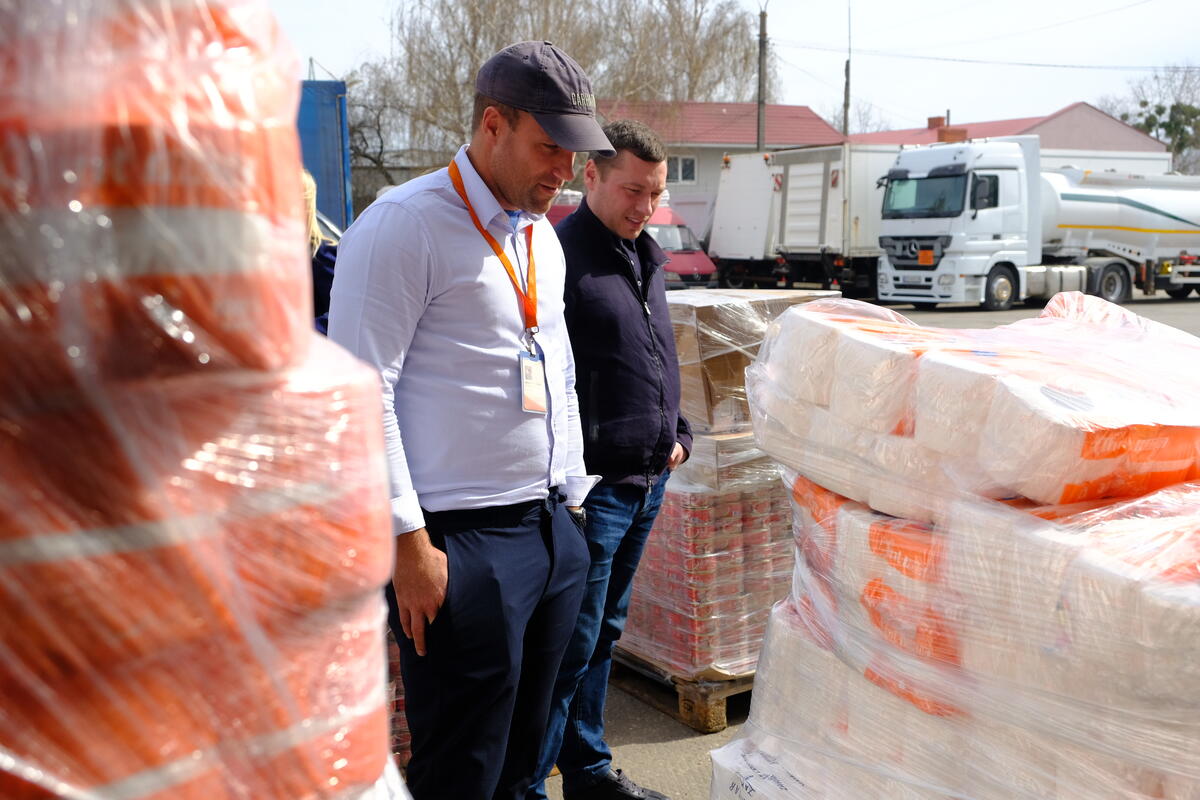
[{"x": 626, "y": 370}]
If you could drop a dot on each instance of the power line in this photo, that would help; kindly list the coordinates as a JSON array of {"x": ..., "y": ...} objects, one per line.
[
  {"x": 838, "y": 89},
  {"x": 891, "y": 26},
  {"x": 1040, "y": 65},
  {"x": 1043, "y": 27}
]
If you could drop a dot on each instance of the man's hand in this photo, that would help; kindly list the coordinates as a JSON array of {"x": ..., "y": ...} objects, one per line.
[
  {"x": 420, "y": 581},
  {"x": 677, "y": 457}
]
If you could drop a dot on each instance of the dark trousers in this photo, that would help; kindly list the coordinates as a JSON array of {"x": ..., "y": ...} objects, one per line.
[
  {"x": 619, "y": 521},
  {"x": 477, "y": 704}
]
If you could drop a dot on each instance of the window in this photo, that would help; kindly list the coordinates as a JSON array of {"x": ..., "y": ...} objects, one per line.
[
  {"x": 911, "y": 198},
  {"x": 681, "y": 169},
  {"x": 673, "y": 237},
  {"x": 985, "y": 191}
]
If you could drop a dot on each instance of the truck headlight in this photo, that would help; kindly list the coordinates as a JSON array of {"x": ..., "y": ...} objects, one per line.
[
  {"x": 671, "y": 277},
  {"x": 945, "y": 280}
]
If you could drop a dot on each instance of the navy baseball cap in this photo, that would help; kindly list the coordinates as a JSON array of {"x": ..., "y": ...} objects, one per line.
[{"x": 539, "y": 78}]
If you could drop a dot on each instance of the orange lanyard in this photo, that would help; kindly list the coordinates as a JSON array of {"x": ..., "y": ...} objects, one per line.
[{"x": 528, "y": 301}]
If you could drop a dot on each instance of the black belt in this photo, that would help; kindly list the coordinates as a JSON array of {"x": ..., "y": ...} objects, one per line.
[{"x": 508, "y": 516}]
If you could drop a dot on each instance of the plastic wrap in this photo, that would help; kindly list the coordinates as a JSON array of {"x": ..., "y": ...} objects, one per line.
[
  {"x": 713, "y": 566},
  {"x": 717, "y": 334},
  {"x": 1059, "y": 409},
  {"x": 149, "y": 179},
  {"x": 991, "y": 645},
  {"x": 719, "y": 554},
  {"x": 401, "y": 736},
  {"x": 194, "y": 516}
]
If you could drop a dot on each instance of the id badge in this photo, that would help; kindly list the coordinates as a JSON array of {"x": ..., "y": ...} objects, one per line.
[{"x": 533, "y": 383}]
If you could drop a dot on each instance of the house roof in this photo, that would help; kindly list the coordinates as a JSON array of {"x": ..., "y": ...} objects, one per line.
[
  {"x": 974, "y": 130},
  {"x": 729, "y": 124}
]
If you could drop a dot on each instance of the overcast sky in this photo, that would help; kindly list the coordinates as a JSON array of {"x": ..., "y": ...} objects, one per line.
[{"x": 810, "y": 38}]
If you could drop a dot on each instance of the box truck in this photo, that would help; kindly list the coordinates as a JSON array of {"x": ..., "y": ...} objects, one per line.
[{"x": 808, "y": 215}]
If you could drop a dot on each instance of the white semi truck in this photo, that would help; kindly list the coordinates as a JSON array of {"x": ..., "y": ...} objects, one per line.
[
  {"x": 988, "y": 222},
  {"x": 807, "y": 215}
]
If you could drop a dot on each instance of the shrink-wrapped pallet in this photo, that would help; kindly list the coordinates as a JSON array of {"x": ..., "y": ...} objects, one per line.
[
  {"x": 714, "y": 563},
  {"x": 720, "y": 552},
  {"x": 194, "y": 516},
  {"x": 1007, "y": 613}
]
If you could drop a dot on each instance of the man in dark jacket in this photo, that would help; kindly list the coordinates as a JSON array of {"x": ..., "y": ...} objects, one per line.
[{"x": 627, "y": 379}]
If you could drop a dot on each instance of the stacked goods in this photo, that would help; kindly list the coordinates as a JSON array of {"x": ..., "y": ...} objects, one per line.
[
  {"x": 1064, "y": 408},
  {"x": 1039, "y": 642},
  {"x": 720, "y": 552},
  {"x": 194, "y": 523},
  {"x": 714, "y": 564},
  {"x": 401, "y": 735}
]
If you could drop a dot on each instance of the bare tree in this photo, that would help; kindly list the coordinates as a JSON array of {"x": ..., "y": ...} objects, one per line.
[
  {"x": 709, "y": 50},
  {"x": 409, "y": 112},
  {"x": 864, "y": 118},
  {"x": 1166, "y": 105}
]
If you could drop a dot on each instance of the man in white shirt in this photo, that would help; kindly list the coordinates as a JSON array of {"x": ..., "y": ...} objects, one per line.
[{"x": 452, "y": 285}]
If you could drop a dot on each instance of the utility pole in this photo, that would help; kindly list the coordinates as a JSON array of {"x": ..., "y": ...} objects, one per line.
[
  {"x": 846, "y": 94},
  {"x": 762, "y": 79},
  {"x": 846, "y": 102}
]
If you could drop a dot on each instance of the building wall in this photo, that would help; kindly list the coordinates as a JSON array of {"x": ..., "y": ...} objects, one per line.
[{"x": 1086, "y": 128}]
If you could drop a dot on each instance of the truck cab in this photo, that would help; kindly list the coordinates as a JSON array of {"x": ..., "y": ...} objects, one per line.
[
  {"x": 959, "y": 222},
  {"x": 992, "y": 222}
]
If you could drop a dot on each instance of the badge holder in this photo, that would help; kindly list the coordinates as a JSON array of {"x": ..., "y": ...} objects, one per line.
[{"x": 533, "y": 378}]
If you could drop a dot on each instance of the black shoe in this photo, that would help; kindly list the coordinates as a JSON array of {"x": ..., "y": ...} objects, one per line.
[{"x": 615, "y": 786}]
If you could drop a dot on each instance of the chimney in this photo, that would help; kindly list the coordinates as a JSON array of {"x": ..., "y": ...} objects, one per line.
[
  {"x": 947, "y": 134},
  {"x": 934, "y": 123}
]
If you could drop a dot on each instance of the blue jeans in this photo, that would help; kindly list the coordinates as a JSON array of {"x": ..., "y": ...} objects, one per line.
[{"x": 619, "y": 519}]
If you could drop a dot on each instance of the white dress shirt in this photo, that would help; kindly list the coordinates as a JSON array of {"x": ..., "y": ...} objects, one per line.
[{"x": 419, "y": 294}]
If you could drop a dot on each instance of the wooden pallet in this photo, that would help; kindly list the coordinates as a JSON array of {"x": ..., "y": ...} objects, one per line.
[{"x": 699, "y": 704}]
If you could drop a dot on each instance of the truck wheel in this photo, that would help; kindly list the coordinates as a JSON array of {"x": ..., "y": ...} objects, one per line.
[
  {"x": 1001, "y": 289},
  {"x": 734, "y": 279},
  {"x": 1114, "y": 284},
  {"x": 1180, "y": 293},
  {"x": 924, "y": 306}
]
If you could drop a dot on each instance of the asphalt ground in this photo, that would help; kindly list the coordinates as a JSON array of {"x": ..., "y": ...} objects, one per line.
[
  {"x": 1182, "y": 314},
  {"x": 663, "y": 754}
]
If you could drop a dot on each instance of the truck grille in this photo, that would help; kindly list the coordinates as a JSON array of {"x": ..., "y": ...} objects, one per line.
[{"x": 904, "y": 252}]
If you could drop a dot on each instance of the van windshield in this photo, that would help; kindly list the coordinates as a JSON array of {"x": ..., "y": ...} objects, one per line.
[
  {"x": 673, "y": 237},
  {"x": 910, "y": 198}
]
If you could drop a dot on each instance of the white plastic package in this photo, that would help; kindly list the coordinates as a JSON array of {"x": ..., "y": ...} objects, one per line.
[{"x": 1005, "y": 593}]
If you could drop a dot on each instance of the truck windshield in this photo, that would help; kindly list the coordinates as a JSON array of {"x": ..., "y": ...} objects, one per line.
[
  {"x": 673, "y": 237},
  {"x": 925, "y": 197}
]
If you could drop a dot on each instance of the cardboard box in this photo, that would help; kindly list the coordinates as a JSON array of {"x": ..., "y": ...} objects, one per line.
[
  {"x": 723, "y": 462},
  {"x": 717, "y": 335}
]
